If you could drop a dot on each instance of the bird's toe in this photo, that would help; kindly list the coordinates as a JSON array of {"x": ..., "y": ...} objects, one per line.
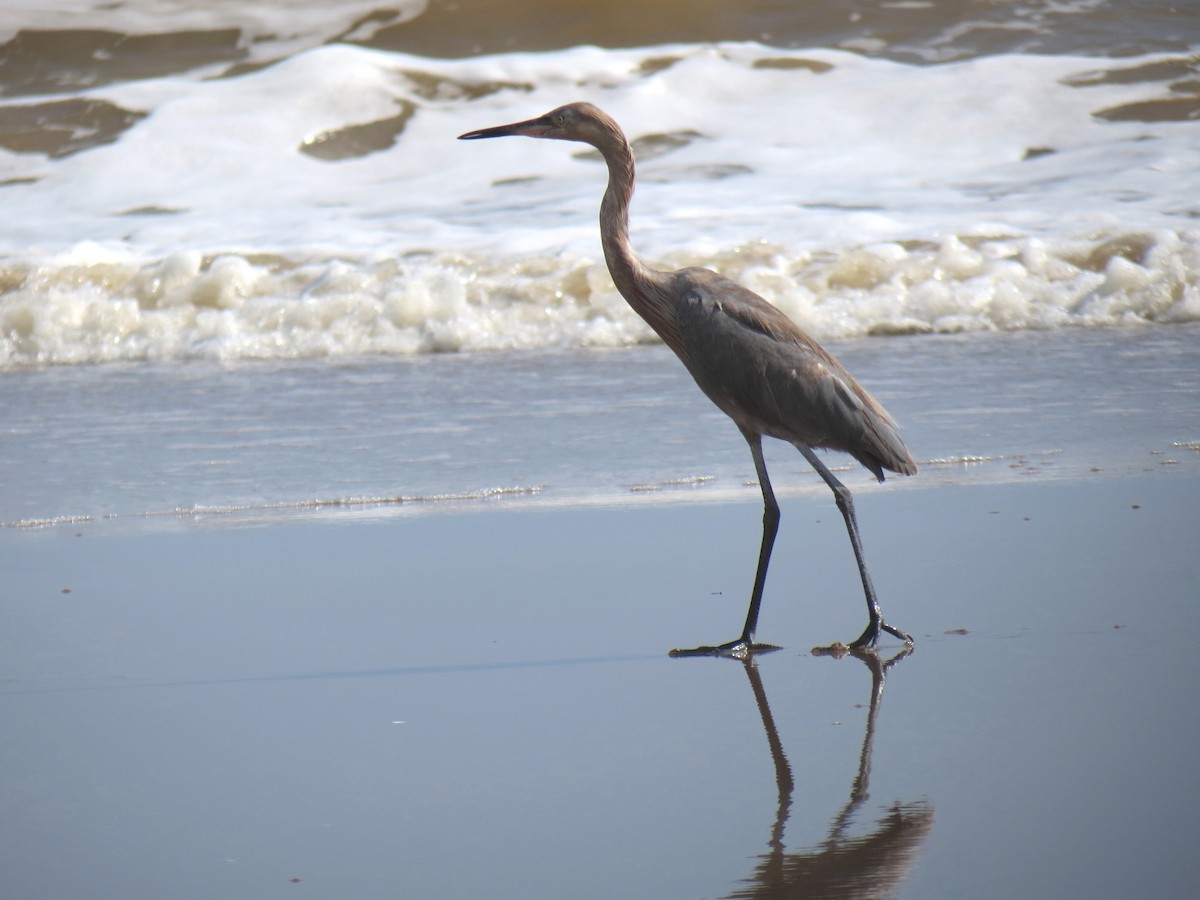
[{"x": 739, "y": 649}]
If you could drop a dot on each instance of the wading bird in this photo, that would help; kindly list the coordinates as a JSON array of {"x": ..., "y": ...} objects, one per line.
[{"x": 749, "y": 358}]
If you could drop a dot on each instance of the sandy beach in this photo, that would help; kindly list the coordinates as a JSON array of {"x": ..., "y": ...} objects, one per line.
[{"x": 466, "y": 703}]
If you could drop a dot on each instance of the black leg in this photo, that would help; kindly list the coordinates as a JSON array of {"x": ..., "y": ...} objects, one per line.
[
  {"x": 845, "y": 503},
  {"x": 770, "y": 529},
  {"x": 745, "y": 646}
]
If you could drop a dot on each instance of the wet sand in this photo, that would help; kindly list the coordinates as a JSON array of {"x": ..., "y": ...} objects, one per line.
[{"x": 458, "y": 704}]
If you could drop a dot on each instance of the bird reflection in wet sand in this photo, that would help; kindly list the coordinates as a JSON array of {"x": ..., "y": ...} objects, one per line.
[
  {"x": 749, "y": 358},
  {"x": 844, "y": 866}
]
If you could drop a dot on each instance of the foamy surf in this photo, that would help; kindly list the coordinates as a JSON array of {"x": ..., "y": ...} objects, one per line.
[
  {"x": 320, "y": 207},
  {"x": 90, "y": 305}
]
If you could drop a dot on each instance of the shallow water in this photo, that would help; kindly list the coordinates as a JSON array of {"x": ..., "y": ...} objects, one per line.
[
  {"x": 160, "y": 444},
  {"x": 227, "y": 712}
]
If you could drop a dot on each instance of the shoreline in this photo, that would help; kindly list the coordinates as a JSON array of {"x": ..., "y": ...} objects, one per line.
[
  {"x": 629, "y": 427},
  {"x": 893, "y": 517},
  {"x": 1182, "y": 459}
]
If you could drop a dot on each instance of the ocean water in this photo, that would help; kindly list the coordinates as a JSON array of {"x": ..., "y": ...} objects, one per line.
[{"x": 231, "y": 230}]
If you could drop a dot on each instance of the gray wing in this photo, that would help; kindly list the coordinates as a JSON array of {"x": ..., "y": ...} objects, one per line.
[{"x": 771, "y": 378}]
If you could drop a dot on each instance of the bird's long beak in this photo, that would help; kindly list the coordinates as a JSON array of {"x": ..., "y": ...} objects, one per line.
[{"x": 529, "y": 128}]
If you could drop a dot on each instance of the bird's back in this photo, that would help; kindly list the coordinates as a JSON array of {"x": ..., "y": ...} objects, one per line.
[{"x": 771, "y": 378}]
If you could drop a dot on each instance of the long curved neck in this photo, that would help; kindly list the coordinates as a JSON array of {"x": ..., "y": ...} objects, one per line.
[{"x": 644, "y": 289}]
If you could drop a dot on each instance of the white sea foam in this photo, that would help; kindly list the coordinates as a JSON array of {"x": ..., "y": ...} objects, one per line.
[
  {"x": 268, "y": 28},
  {"x": 860, "y": 195}
]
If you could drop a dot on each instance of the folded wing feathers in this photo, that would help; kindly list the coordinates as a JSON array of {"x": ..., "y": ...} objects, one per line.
[{"x": 799, "y": 384}]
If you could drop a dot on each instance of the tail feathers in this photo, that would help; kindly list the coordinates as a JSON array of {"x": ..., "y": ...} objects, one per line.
[{"x": 884, "y": 448}]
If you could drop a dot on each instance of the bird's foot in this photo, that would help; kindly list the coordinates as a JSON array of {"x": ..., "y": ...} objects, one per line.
[
  {"x": 868, "y": 655},
  {"x": 865, "y": 641},
  {"x": 739, "y": 649},
  {"x": 837, "y": 650},
  {"x": 897, "y": 633}
]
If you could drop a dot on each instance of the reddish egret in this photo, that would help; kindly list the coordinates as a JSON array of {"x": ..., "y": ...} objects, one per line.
[{"x": 749, "y": 358}]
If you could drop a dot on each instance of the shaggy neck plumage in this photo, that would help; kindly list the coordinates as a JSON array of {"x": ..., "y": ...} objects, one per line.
[{"x": 645, "y": 289}]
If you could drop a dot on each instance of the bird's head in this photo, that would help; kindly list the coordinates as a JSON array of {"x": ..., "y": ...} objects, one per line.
[{"x": 573, "y": 122}]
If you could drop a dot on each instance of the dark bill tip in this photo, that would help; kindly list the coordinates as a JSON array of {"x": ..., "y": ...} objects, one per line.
[
  {"x": 530, "y": 128},
  {"x": 502, "y": 131}
]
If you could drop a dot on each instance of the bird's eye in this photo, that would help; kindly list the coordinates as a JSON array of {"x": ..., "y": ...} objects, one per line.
[{"x": 560, "y": 120}]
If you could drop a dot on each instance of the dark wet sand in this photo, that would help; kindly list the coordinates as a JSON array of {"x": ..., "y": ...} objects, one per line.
[{"x": 481, "y": 704}]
